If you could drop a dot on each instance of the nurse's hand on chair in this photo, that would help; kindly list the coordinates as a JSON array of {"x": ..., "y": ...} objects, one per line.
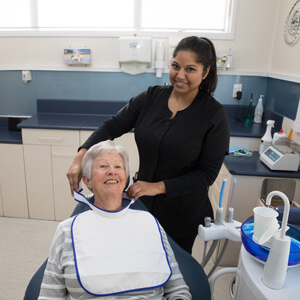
[
  {"x": 74, "y": 173},
  {"x": 142, "y": 188}
]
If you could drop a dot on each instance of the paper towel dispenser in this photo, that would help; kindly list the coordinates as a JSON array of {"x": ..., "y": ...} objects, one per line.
[{"x": 134, "y": 54}]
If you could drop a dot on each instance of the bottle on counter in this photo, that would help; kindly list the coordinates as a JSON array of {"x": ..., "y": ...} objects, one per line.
[
  {"x": 259, "y": 110},
  {"x": 266, "y": 140}
]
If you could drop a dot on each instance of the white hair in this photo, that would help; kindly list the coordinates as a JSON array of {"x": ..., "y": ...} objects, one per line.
[{"x": 101, "y": 148}]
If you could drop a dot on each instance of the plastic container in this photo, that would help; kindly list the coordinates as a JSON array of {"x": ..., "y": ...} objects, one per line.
[
  {"x": 261, "y": 252},
  {"x": 259, "y": 110},
  {"x": 266, "y": 140}
]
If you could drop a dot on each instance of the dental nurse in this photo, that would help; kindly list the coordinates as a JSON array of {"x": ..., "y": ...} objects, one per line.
[{"x": 182, "y": 135}]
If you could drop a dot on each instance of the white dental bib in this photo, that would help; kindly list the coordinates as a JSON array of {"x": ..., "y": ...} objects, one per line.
[{"x": 118, "y": 252}]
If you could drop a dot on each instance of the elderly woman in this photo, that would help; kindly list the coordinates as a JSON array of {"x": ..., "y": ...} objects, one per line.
[{"x": 112, "y": 250}]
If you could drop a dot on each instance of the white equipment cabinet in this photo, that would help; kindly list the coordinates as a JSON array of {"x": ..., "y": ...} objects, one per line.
[
  {"x": 48, "y": 155},
  {"x": 13, "y": 199}
]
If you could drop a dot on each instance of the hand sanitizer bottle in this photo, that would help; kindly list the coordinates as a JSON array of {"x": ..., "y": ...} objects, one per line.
[
  {"x": 259, "y": 110},
  {"x": 267, "y": 139}
]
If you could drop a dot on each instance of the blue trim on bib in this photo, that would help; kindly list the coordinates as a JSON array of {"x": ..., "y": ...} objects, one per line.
[{"x": 121, "y": 292}]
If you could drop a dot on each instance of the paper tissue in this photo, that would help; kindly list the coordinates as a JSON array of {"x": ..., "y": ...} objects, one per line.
[{"x": 134, "y": 54}]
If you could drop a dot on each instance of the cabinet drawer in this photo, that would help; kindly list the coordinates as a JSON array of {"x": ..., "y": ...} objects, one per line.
[{"x": 50, "y": 137}]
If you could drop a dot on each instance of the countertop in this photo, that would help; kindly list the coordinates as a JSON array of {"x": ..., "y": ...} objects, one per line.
[
  {"x": 252, "y": 166},
  {"x": 80, "y": 115},
  {"x": 88, "y": 115},
  {"x": 9, "y": 136}
]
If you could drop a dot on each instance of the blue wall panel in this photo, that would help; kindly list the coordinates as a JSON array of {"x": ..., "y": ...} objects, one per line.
[
  {"x": 18, "y": 98},
  {"x": 283, "y": 97}
]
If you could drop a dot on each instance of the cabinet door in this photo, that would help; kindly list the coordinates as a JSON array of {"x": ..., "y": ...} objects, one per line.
[
  {"x": 64, "y": 203},
  {"x": 38, "y": 145},
  {"x": 12, "y": 182},
  {"x": 39, "y": 181}
]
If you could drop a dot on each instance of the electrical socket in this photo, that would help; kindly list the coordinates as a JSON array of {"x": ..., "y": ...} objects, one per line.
[
  {"x": 237, "y": 87},
  {"x": 26, "y": 76}
]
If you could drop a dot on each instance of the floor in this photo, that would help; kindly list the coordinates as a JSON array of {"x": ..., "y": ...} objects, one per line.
[{"x": 25, "y": 245}]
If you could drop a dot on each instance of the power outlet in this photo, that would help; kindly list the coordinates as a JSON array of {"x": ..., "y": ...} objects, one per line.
[
  {"x": 26, "y": 76},
  {"x": 237, "y": 87}
]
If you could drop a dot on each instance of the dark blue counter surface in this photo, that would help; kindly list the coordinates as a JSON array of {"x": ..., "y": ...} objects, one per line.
[
  {"x": 236, "y": 115},
  {"x": 64, "y": 121},
  {"x": 252, "y": 166},
  {"x": 88, "y": 115},
  {"x": 9, "y": 136}
]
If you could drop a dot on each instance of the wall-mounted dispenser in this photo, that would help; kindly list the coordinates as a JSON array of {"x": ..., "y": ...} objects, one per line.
[
  {"x": 224, "y": 60},
  {"x": 134, "y": 54},
  {"x": 77, "y": 56},
  {"x": 159, "y": 63}
]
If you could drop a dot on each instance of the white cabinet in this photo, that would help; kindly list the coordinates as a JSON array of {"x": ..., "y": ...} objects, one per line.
[
  {"x": 215, "y": 189},
  {"x": 39, "y": 181},
  {"x": 48, "y": 155},
  {"x": 13, "y": 197},
  {"x": 243, "y": 197},
  {"x": 64, "y": 203},
  {"x": 128, "y": 142},
  {"x": 1, "y": 204}
]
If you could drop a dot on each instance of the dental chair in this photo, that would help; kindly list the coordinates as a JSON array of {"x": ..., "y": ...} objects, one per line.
[{"x": 191, "y": 270}]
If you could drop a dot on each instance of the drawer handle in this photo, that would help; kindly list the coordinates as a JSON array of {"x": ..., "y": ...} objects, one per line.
[
  {"x": 48, "y": 139},
  {"x": 63, "y": 155}
]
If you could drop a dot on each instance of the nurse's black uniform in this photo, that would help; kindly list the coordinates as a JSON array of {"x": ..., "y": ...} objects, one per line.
[{"x": 186, "y": 152}]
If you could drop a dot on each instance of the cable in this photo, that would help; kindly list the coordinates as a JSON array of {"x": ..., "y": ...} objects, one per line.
[
  {"x": 219, "y": 259},
  {"x": 204, "y": 251},
  {"x": 210, "y": 253}
]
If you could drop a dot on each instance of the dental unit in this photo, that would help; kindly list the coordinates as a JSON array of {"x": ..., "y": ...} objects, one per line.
[{"x": 269, "y": 268}]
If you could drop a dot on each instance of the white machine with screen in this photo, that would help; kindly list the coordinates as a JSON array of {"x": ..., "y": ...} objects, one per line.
[{"x": 284, "y": 155}]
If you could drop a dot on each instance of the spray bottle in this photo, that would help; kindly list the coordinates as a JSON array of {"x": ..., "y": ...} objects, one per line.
[
  {"x": 259, "y": 110},
  {"x": 267, "y": 139}
]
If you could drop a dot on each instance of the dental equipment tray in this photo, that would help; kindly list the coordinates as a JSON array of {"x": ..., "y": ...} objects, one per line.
[{"x": 283, "y": 155}]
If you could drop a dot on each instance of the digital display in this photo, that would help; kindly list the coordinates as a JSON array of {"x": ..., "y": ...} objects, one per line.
[{"x": 272, "y": 154}]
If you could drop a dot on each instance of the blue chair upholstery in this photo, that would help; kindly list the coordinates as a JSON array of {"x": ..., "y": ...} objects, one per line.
[
  {"x": 191, "y": 270},
  {"x": 294, "y": 215}
]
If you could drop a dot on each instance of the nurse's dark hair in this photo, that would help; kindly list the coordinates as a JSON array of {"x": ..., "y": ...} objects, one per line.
[{"x": 205, "y": 53}]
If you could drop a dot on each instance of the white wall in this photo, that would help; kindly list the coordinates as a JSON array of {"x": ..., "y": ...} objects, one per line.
[
  {"x": 258, "y": 45},
  {"x": 285, "y": 59},
  {"x": 49, "y": 51}
]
